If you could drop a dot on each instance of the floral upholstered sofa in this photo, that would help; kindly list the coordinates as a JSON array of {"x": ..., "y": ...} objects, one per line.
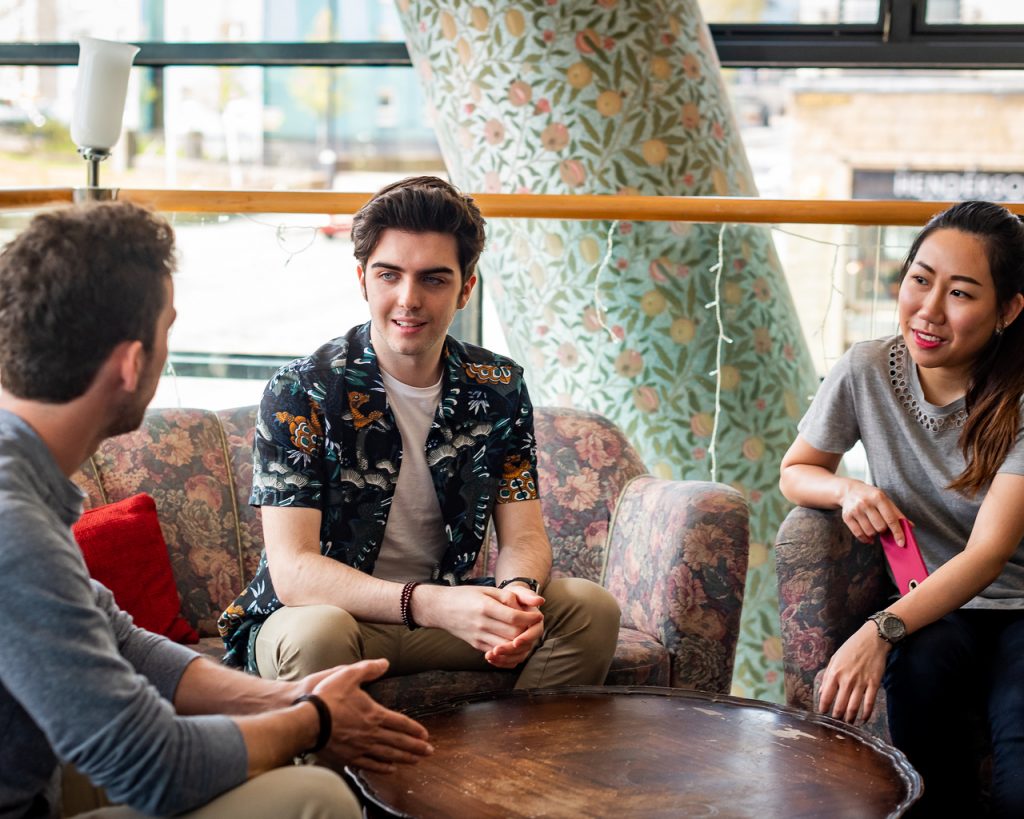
[{"x": 674, "y": 553}]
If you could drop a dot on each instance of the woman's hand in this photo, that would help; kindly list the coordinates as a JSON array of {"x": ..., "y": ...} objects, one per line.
[
  {"x": 808, "y": 478},
  {"x": 868, "y": 512},
  {"x": 854, "y": 675}
]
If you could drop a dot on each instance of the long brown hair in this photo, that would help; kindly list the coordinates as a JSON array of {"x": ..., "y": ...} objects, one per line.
[{"x": 994, "y": 393}]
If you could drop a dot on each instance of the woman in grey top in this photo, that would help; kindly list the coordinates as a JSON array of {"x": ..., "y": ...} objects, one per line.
[{"x": 938, "y": 408}]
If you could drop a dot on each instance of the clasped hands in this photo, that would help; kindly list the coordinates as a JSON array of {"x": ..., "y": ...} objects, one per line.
[
  {"x": 526, "y": 615},
  {"x": 505, "y": 624}
]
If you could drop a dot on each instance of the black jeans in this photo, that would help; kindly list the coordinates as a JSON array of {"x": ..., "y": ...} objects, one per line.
[{"x": 946, "y": 684}]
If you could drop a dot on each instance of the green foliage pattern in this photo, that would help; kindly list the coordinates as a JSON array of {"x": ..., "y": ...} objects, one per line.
[{"x": 626, "y": 97}]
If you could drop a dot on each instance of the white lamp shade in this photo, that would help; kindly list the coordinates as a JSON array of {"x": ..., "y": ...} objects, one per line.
[{"x": 100, "y": 92}]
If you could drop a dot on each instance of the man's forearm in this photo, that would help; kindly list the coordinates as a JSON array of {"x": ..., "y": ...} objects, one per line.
[
  {"x": 523, "y": 546},
  {"x": 273, "y": 729},
  {"x": 512, "y": 568},
  {"x": 309, "y": 579},
  {"x": 302, "y": 576},
  {"x": 207, "y": 687},
  {"x": 273, "y": 739},
  {"x": 524, "y": 557}
]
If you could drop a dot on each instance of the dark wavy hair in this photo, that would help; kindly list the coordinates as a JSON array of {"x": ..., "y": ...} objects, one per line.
[
  {"x": 73, "y": 285},
  {"x": 421, "y": 204},
  {"x": 994, "y": 393}
]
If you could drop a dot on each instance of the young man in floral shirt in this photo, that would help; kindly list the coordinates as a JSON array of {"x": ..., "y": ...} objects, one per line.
[{"x": 379, "y": 461}]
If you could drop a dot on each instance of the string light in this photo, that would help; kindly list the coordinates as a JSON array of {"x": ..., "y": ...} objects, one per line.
[
  {"x": 722, "y": 340},
  {"x": 874, "y": 281},
  {"x": 598, "y": 303}
]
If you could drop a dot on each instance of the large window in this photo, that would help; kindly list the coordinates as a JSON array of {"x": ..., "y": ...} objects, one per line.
[
  {"x": 782, "y": 11},
  {"x": 834, "y": 99},
  {"x": 975, "y": 12}
]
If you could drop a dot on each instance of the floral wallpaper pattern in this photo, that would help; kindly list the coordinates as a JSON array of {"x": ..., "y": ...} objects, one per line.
[{"x": 626, "y": 97}]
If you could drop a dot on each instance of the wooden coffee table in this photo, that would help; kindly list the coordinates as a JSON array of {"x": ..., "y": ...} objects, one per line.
[{"x": 640, "y": 752}]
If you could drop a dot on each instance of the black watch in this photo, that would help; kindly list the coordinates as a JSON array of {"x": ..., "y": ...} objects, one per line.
[
  {"x": 890, "y": 627},
  {"x": 529, "y": 581}
]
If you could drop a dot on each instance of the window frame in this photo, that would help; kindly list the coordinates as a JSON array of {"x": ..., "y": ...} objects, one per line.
[{"x": 900, "y": 38}]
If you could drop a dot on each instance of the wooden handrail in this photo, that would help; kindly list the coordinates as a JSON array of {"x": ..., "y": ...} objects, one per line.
[
  {"x": 28, "y": 198},
  {"x": 709, "y": 209}
]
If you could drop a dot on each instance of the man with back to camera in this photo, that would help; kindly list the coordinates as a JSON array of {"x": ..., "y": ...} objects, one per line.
[
  {"x": 86, "y": 302},
  {"x": 379, "y": 460}
]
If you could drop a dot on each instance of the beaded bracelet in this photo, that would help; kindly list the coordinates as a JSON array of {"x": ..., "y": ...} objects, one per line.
[{"x": 405, "y": 607}]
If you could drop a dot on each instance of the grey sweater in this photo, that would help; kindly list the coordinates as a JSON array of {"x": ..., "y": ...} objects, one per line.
[{"x": 78, "y": 682}]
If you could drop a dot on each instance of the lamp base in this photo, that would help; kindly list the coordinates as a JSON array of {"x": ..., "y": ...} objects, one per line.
[
  {"x": 93, "y": 156},
  {"x": 93, "y": 192},
  {"x": 81, "y": 195}
]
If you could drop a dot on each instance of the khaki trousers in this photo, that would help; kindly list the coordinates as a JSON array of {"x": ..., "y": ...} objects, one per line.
[
  {"x": 293, "y": 792},
  {"x": 581, "y": 622}
]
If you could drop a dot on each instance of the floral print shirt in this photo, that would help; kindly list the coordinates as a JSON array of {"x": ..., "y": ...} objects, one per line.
[{"x": 326, "y": 439}]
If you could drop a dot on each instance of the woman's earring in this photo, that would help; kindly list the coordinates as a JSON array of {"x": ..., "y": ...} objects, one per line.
[{"x": 999, "y": 330}]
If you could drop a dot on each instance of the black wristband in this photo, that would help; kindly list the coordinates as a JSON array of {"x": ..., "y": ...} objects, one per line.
[
  {"x": 324, "y": 713},
  {"x": 405, "y": 605},
  {"x": 529, "y": 581}
]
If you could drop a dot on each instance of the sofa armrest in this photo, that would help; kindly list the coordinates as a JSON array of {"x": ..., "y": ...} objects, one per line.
[
  {"x": 828, "y": 584},
  {"x": 677, "y": 564}
]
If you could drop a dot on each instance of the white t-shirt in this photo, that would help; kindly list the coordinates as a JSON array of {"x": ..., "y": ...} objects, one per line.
[{"x": 414, "y": 539}]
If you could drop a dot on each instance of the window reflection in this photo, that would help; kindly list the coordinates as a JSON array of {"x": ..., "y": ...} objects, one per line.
[
  {"x": 198, "y": 21},
  {"x": 790, "y": 11}
]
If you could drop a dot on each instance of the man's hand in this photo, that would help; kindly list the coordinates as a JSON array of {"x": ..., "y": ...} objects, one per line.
[
  {"x": 854, "y": 675},
  {"x": 366, "y": 734},
  {"x": 482, "y": 616},
  {"x": 512, "y": 653}
]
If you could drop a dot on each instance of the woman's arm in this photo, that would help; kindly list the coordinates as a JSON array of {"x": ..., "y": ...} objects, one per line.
[
  {"x": 808, "y": 478},
  {"x": 855, "y": 671},
  {"x": 997, "y": 532}
]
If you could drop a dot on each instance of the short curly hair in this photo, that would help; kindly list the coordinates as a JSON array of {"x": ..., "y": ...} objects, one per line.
[
  {"x": 74, "y": 284},
  {"x": 421, "y": 204}
]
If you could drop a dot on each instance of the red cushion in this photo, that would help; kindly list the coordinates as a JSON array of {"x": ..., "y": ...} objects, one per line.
[{"x": 125, "y": 550}]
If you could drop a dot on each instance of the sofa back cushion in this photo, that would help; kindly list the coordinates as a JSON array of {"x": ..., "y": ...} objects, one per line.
[
  {"x": 583, "y": 462},
  {"x": 180, "y": 458},
  {"x": 197, "y": 466},
  {"x": 239, "y": 426}
]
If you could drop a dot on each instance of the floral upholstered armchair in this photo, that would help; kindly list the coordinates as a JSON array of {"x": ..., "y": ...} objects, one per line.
[
  {"x": 829, "y": 583},
  {"x": 674, "y": 553}
]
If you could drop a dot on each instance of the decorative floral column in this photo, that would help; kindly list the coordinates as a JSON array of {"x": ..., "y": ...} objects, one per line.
[{"x": 630, "y": 319}]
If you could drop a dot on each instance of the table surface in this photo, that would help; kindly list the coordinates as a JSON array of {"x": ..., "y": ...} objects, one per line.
[{"x": 651, "y": 752}]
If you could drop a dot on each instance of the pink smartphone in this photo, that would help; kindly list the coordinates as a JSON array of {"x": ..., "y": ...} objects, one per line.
[{"x": 906, "y": 563}]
